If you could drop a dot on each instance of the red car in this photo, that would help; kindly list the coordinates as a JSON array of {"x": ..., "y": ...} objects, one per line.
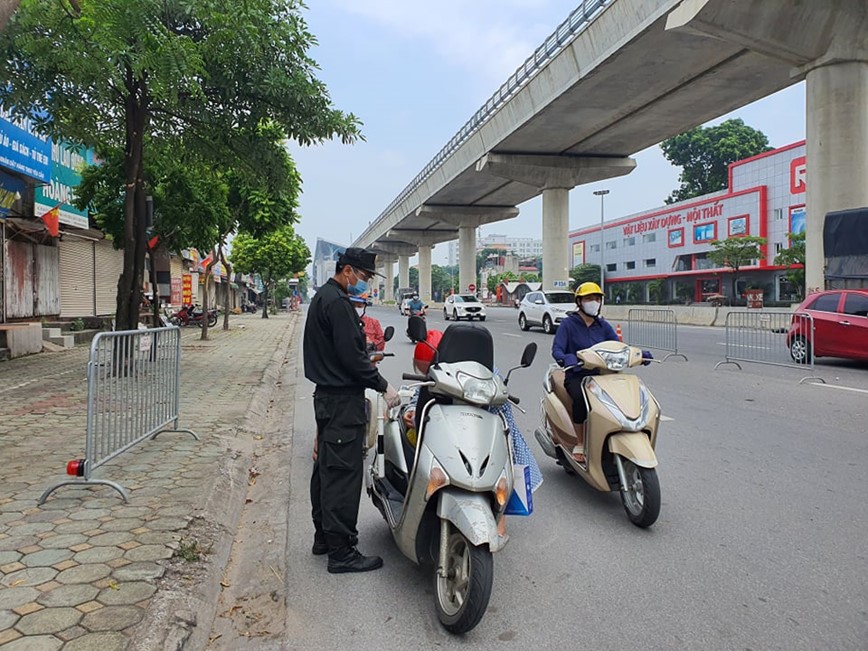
[{"x": 840, "y": 326}]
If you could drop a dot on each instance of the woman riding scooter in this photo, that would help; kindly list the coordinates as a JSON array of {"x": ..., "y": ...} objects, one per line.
[{"x": 580, "y": 330}]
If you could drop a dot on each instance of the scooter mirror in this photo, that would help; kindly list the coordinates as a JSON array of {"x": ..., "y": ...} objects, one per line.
[
  {"x": 388, "y": 333},
  {"x": 528, "y": 355},
  {"x": 416, "y": 328}
]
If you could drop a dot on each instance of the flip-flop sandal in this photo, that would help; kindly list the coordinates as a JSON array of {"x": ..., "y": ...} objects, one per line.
[{"x": 579, "y": 453}]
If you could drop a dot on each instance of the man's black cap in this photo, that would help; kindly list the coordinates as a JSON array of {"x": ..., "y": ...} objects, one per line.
[{"x": 360, "y": 259}]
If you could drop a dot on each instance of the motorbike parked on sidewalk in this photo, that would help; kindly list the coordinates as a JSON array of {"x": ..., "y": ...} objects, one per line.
[
  {"x": 620, "y": 433},
  {"x": 445, "y": 497},
  {"x": 193, "y": 315}
]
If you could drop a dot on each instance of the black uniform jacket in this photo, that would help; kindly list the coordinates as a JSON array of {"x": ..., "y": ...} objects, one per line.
[{"x": 334, "y": 344}]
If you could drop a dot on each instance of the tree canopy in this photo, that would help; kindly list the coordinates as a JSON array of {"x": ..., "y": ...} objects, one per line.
[
  {"x": 793, "y": 257},
  {"x": 585, "y": 273},
  {"x": 735, "y": 253},
  {"x": 275, "y": 255},
  {"x": 132, "y": 75},
  {"x": 704, "y": 155}
]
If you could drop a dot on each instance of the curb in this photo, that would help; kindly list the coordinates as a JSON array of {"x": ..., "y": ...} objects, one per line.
[{"x": 181, "y": 616}]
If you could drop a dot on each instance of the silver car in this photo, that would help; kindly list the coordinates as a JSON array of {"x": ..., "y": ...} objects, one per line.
[{"x": 546, "y": 309}]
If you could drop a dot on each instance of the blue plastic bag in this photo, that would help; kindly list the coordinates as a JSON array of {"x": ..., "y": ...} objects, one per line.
[{"x": 521, "y": 500}]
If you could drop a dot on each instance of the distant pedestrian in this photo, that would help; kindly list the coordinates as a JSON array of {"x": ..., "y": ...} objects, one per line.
[{"x": 336, "y": 362}]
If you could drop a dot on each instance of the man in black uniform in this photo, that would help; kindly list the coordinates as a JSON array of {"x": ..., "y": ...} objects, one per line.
[{"x": 335, "y": 360}]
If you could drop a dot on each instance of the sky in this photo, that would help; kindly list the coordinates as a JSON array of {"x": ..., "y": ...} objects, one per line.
[{"x": 415, "y": 71}]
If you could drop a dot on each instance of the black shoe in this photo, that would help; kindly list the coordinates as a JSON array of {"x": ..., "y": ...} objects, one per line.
[
  {"x": 350, "y": 559},
  {"x": 320, "y": 546}
]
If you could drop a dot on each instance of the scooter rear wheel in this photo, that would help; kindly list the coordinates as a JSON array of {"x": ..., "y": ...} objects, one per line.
[
  {"x": 462, "y": 595},
  {"x": 641, "y": 496}
]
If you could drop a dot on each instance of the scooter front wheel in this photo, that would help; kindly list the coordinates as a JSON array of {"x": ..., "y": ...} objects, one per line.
[
  {"x": 462, "y": 595},
  {"x": 641, "y": 495}
]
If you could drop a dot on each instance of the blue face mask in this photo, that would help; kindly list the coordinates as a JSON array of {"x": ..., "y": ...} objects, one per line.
[{"x": 359, "y": 288}]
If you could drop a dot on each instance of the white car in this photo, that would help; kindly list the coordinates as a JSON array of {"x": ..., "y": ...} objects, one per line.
[
  {"x": 463, "y": 306},
  {"x": 546, "y": 309}
]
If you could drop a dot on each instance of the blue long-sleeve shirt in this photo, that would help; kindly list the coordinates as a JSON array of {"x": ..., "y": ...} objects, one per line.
[{"x": 574, "y": 335}]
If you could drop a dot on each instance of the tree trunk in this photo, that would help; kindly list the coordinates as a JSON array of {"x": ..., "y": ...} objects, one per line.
[
  {"x": 265, "y": 293},
  {"x": 207, "y": 294},
  {"x": 226, "y": 290},
  {"x": 130, "y": 282},
  {"x": 7, "y": 8}
]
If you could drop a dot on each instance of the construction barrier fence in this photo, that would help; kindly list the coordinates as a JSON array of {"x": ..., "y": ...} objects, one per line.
[
  {"x": 767, "y": 337},
  {"x": 133, "y": 393},
  {"x": 655, "y": 329}
]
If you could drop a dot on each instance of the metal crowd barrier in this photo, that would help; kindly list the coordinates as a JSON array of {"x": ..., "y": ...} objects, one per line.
[
  {"x": 656, "y": 329},
  {"x": 133, "y": 393},
  {"x": 776, "y": 338}
]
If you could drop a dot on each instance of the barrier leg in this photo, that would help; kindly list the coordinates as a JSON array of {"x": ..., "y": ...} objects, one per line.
[
  {"x": 84, "y": 482},
  {"x": 726, "y": 361}
]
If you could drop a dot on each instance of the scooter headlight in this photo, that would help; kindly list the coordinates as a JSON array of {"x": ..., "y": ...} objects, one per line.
[
  {"x": 616, "y": 360},
  {"x": 478, "y": 391}
]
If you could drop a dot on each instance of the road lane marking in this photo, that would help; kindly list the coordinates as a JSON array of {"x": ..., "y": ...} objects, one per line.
[
  {"x": 837, "y": 386},
  {"x": 509, "y": 334},
  {"x": 665, "y": 418}
]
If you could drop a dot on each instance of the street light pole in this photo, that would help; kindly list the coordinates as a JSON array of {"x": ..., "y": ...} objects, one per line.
[{"x": 602, "y": 194}]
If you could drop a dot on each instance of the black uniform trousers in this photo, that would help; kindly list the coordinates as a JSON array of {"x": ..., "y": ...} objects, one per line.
[
  {"x": 573, "y": 385},
  {"x": 336, "y": 483}
]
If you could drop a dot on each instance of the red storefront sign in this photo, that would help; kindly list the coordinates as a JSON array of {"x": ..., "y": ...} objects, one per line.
[
  {"x": 187, "y": 288},
  {"x": 798, "y": 175},
  {"x": 177, "y": 291}
]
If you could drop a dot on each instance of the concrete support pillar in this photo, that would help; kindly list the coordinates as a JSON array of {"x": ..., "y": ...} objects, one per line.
[
  {"x": 466, "y": 257},
  {"x": 389, "y": 273},
  {"x": 555, "y": 230},
  {"x": 403, "y": 271},
  {"x": 837, "y": 153},
  {"x": 425, "y": 272}
]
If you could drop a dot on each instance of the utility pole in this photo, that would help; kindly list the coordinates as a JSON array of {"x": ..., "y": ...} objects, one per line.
[{"x": 602, "y": 194}]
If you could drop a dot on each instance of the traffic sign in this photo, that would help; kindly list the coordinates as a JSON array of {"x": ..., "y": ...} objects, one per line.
[{"x": 471, "y": 287}]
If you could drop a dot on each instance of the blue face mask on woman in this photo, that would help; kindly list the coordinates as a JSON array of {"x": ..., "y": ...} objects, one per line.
[{"x": 359, "y": 288}]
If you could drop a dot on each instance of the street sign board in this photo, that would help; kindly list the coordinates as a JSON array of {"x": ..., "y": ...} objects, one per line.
[
  {"x": 560, "y": 284},
  {"x": 471, "y": 287}
]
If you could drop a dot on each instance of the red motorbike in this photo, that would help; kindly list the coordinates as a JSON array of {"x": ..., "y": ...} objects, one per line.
[{"x": 193, "y": 315}]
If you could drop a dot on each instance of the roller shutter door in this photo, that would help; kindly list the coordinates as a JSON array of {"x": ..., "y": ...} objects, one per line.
[
  {"x": 76, "y": 277},
  {"x": 109, "y": 266}
]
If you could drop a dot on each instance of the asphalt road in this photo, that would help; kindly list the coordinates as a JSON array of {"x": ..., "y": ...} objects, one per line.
[{"x": 761, "y": 541}]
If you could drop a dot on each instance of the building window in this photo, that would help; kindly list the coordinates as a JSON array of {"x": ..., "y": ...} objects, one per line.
[
  {"x": 704, "y": 232},
  {"x": 649, "y": 237},
  {"x": 778, "y": 247},
  {"x": 631, "y": 265},
  {"x": 611, "y": 267},
  {"x": 650, "y": 262},
  {"x": 611, "y": 245},
  {"x": 595, "y": 248},
  {"x": 779, "y": 213},
  {"x": 629, "y": 241}
]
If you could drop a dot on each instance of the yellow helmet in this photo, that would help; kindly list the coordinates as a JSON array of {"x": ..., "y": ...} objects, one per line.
[{"x": 588, "y": 289}]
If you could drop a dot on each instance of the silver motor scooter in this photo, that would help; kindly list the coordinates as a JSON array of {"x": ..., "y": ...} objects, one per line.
[{"x": 444, "y": 498}]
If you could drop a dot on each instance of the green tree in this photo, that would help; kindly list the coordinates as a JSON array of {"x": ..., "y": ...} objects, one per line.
[
  {"x": 704, "y": 155},
  {"x": 657, "y": 290},
  {"x": 277, "y": 254},
  {"x": 735, "y": 253},
  {"x": 791, "y": 257},
  {"x": 585, "y": 273},
  {"x": 113, "y": 74}
]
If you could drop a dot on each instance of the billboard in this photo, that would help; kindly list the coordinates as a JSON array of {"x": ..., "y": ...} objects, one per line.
[
  {"x": 21, "y": 150},
  {"x": 66, "y": 165}
]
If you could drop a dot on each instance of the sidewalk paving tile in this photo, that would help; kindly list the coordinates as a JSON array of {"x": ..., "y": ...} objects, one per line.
[{"x": 81, "y": 569}]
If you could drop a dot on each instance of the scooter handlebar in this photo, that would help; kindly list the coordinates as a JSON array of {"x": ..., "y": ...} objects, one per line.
[
  {"x": 413, "y": 377},
  {"x": 514, "y": 399}
]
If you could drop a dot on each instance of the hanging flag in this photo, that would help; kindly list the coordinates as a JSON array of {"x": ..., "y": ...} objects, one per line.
[
  {"x": 207, "y": 260},
  {"x": 152, "y": 243},
  {"x": 52, "y": 220}
]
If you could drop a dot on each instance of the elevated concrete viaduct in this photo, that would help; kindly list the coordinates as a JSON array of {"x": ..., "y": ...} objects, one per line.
[{"x": 621, "y": 75}]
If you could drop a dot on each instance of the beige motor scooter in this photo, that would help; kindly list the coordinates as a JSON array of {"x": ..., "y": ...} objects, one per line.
[{"x": 619, "y": 435}]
